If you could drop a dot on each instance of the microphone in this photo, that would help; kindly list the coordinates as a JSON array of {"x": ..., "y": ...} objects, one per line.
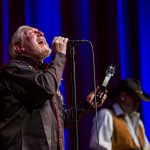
[{"x": 75, "y": 42}]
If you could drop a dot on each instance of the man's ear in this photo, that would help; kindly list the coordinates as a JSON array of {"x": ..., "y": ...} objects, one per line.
[{"x": 18, "y": 48}]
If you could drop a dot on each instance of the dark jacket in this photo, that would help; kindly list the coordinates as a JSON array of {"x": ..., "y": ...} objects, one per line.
[{"x": 28, "y": 119}]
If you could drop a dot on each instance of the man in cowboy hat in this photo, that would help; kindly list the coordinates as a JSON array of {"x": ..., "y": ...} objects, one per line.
[{"x": 120, "y": 127}]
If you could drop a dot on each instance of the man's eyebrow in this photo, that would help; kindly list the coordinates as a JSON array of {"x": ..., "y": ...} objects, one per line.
[
  {"x": 27, "y": 29},
  {"x": 34, "y": 29}
]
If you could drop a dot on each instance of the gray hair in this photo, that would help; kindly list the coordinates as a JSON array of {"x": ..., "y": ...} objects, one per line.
[{"x": 16, "y": 38}]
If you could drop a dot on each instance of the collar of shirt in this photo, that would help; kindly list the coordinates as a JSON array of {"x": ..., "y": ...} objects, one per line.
[
  {"x": 29, "y": 60},
  {"x": 35, "y": 64},
  {"x": 134, "y": 117}
]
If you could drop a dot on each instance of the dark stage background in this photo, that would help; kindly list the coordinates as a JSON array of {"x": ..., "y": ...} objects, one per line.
[{"x": 118, "y": 29}]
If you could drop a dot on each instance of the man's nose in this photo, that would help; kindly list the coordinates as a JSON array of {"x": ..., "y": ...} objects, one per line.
[{"x": 40, "y": 33}]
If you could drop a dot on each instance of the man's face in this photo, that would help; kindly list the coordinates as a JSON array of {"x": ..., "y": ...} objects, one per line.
[
  {"x": 131, "y": 102},
  {"x": 34, "y": 44}
]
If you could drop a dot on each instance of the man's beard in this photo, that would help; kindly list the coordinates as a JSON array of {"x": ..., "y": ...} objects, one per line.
[{"x": 41, "y": 53}]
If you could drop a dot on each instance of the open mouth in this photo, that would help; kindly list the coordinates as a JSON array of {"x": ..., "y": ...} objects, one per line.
[{"x": 40, "y": 41}]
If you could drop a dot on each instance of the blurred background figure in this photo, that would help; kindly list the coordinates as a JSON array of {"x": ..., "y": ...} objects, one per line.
[{"x": 120, "y": 126}]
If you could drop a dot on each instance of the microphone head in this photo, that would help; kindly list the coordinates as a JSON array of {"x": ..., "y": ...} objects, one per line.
[{"x": 75, "y": 42}]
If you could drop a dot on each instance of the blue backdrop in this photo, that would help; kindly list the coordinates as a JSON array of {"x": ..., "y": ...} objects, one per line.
[{"x": 119, "y": 31}]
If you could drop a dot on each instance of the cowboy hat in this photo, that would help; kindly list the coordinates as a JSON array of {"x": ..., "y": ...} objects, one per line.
[{"x": 132, "y": 85}]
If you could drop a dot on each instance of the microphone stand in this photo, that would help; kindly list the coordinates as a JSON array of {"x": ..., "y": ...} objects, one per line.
[{"x": 72, "y": 52}]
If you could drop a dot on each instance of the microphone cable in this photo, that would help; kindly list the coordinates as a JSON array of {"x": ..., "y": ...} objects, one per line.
[{"x": 94, "y": 84}]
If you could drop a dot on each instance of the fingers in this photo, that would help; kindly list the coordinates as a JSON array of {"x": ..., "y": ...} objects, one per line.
[
  {"x": 60, "y": 44},
  {"x": 59, "y": 40},
  {"x": 97, "y": 88},
  {"x": 103, "y": 98},
  {"x": 100, "y": 98},
  {"x": 103, "y": 94},
  {"x": 90, "y": 97}
]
